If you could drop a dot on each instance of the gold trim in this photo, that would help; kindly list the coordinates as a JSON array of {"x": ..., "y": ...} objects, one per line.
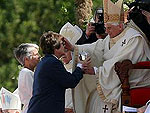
[
  {"x": 99, "y": 89},
  {"x": 74, "y": 64},
  {"x": 115, "y": 15},
  {"x": 111, "y": 18},
  {"x": 106, "y": 17},
  {"x": 75, "y": 61},
  {"x": 101, "y": 94}
]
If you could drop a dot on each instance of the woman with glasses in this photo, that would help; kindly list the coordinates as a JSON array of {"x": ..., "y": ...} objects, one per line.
[{"x": 28, "y": 56}]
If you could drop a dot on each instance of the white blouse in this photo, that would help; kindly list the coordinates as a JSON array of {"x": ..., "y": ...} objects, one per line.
[{"x": 25, "y": 87}]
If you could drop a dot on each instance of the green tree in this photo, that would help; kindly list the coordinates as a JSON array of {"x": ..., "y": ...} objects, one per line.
[{"x": 24, "y": 21}]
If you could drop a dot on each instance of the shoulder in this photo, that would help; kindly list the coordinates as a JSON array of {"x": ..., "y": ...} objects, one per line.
[
  {"x": 130, "y": 32},
  {"x": 130, "y": 35},
  {"x": 49, "y": 61},
  {"x": 24, "y": 73}
]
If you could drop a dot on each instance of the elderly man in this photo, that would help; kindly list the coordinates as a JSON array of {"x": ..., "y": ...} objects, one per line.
[
  {"x": 122, "y": 42},
  {"x": 28, "y": 56}
]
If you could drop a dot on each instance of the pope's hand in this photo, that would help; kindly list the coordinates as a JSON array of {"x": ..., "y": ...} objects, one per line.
[
  {"x": 142, "y": 109},
  {"x": 86, "y": 64},
  {"x": 68, "y": 110},
  {"x": 89, "y": 70},
  {"x": 67, "y": 44}
]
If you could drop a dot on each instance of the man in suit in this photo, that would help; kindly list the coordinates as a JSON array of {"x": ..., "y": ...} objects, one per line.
[{"x": 51, "y": 78}]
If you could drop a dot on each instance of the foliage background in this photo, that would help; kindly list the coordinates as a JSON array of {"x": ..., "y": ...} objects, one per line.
[{"x": 24, "y": 21}]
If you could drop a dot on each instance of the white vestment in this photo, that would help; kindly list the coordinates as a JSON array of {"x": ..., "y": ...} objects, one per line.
[
  {"x": 147, "y": 109},
  {"x": 25, "y": 87},
  {"x": 131, "y": 45},
  {"x": 83, "y": 92},
  {"x": 68, "y": 93}
]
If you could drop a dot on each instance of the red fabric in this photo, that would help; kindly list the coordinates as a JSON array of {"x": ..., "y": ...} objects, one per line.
[
  {"x": 139, "y": 96},
  {"x": 144, "y": 63}
]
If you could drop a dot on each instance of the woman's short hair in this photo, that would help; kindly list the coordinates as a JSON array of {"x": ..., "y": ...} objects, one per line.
[
  {"x": 24, "y": 50},
  {"x": 49, "y": 41}
]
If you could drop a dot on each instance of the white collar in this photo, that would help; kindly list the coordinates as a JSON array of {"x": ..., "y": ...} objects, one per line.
[{"x": 55, "y": 56}]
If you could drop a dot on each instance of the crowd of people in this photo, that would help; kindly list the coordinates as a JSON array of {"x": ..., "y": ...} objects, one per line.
[{"x": 64, "y": 80}]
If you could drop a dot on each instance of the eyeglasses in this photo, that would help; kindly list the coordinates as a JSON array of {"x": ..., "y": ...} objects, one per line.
[{"x": 35, "y": 55}]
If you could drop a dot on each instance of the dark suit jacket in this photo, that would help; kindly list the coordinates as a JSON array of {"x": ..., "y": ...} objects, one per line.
[{"x": 50, "y": 82}]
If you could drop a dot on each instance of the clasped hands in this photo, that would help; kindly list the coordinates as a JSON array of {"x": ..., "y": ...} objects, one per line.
[{"x": 86, "y": 66}]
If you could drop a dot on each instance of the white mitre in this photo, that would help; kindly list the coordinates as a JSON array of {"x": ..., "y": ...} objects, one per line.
[
  {"x": 72, "y": 33},
  {"x": 10, "y": 100}
]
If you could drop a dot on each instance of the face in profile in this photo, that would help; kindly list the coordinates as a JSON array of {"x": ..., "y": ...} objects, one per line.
[
  {"x": 67, "y": 57},
  {"x": 33, "y": 59},
  {"x": 113, "y": 30},
  {"x": 60, "y": 51}
]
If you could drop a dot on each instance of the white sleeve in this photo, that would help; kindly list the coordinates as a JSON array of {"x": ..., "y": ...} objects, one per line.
[
  {"x": 133, "y": 50},
  {"x": 148, "y": 103},
  {"x": 89, "y": 48},
  {"x": 25, "y": 86},
  {"x": 147, "y": 109},
  {"x": 28, "y": 82},
  {"x": 95, "y": 51}
]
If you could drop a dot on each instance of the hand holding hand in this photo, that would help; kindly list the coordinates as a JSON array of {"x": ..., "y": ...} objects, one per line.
[
  {"x": 68, "y": 110},
  {"x": 89, "y": 70},
  {"x": 86, "y": 64},
  {"x": 142, "y": 109}
]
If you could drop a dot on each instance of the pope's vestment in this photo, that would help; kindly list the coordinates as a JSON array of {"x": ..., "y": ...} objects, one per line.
[
  {"x": 130, "y": 44},
  {"x": 148, "y": 107}
]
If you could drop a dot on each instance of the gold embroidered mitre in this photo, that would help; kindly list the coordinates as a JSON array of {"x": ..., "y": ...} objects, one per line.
[{"x": 113, "y": 12}]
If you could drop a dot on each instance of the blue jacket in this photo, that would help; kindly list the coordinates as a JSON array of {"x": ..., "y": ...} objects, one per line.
[{"x": 50, "y": 82}]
